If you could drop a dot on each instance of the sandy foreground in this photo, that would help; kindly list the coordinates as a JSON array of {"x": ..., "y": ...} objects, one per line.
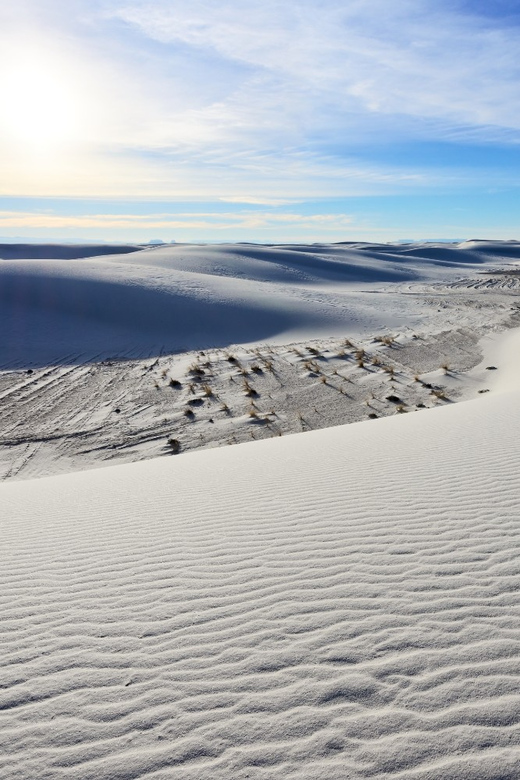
[{"x": 341, "y": 603}]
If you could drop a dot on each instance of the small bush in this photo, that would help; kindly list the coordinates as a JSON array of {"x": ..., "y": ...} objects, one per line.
[
  {"x": 439, "y": 394},
  {"x": 174, "y": 445}
]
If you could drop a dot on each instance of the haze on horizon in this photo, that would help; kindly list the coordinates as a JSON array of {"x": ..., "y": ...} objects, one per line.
[{"x": 302, "y": 121}]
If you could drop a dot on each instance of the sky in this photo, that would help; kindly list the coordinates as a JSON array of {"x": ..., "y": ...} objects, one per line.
[{"x": 241, "y": 120}]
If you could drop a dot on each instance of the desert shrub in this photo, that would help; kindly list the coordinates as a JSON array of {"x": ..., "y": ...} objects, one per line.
[
  {"x": 250, "y": 390},
  {"x": 174, "y": 445}
]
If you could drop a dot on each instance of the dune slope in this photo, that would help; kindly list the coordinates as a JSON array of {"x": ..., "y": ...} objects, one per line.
[
  {"x": 185, "y": 297},
  {"x": 338, "y": 604}
]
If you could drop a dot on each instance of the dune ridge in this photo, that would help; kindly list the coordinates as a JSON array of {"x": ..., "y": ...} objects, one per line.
[{"x": 183, "y": 297}]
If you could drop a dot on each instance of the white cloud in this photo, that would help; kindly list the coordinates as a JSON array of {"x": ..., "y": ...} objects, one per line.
[
  {"x": 259, "y": 102},
  {"x": 419, "y": 58},
  {"x": 215, "y": 221}
]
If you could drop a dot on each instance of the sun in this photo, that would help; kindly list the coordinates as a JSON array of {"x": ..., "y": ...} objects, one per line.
[{"x": 40, "y": 107}]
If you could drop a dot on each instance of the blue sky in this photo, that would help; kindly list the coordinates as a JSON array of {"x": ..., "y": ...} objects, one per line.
[{"x": 238, "y": 120}]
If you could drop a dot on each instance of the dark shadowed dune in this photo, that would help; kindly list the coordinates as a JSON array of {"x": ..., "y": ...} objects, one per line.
[{"x": 63, "y": 251}]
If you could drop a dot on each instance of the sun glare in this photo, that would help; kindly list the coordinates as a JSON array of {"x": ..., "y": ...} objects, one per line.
[{"x": 40, "y": 108}]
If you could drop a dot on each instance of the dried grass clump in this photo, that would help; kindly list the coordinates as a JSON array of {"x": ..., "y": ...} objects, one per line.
[
  {"x": 174, "y": 445},
  {"x": 196, "y": 370},
  {"x": 439, "y": 394},
  {"x": 250, "y": 390}
]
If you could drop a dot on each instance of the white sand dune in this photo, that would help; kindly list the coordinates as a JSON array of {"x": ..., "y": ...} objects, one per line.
[
  {"x": 194, "y": 297},
  {"x": 94, "y": 364},
  {"x": 340, "y": 604},
  {"x": 15, "y": 251},
  {"x": 337, "y": 604}
]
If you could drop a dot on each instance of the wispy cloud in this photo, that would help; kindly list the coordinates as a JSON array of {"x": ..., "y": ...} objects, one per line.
[
  {"x": 420, "y": 59},
  {"x": 216, "y": 221},
  {"x": 254, "y": 103}
]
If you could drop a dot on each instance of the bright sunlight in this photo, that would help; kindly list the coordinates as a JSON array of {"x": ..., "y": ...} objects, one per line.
[{"x": 42, "y": 110}]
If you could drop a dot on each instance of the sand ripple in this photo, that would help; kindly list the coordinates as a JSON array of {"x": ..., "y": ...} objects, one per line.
[{"x": 340, "y": 604}]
